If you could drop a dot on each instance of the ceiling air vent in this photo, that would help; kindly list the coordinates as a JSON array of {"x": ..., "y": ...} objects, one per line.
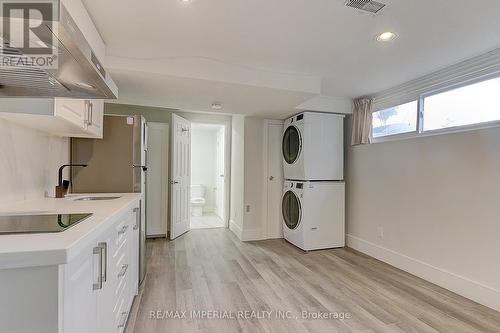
[{"x": 366, "y": 5}]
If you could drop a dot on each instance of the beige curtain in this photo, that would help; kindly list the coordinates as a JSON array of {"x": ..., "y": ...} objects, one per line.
[{"x": 361, "y": 121}]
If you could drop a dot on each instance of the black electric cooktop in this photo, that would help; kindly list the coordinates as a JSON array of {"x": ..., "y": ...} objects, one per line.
[{"x": 35, "y": 224}]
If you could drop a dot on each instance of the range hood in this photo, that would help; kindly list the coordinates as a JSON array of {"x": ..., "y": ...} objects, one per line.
[{"x": 78, "y": 73}]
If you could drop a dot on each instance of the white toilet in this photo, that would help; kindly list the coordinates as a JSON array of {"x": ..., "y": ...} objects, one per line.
[{"x": 197, "y": 200}]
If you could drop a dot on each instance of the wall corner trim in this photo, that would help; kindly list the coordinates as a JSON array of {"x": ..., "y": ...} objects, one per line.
[
  {"x": 463, "y": 286},
  {"x": 235, "y": 228},
  {"x": 248, "y": 235}
]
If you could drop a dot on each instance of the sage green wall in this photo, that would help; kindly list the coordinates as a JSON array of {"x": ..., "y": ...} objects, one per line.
[{"x": 163, "y": 115}]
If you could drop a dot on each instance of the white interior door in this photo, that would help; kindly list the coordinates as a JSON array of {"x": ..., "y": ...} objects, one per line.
[
  {"x": 157, "y": 180},
  {"x": 181, "y": 176},
  {"x": 274, "y": 180},
  {"x": 220, "y": 182}
]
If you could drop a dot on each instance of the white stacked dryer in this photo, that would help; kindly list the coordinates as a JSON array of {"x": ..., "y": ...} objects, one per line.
[
  {"x": 313, "y": 147},
  {"x": 314, "y": 192}
]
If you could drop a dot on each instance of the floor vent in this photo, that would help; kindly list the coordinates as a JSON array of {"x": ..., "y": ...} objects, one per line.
[{"x": 366, "y": 5}]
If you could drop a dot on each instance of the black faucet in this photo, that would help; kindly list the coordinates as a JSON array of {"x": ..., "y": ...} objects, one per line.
[{"x": 62, "y": 186}]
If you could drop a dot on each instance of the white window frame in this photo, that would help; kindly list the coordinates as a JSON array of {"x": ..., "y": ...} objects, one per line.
[
  {"x": 399, "y": 136},
  {"x": 420, "y": 115}
]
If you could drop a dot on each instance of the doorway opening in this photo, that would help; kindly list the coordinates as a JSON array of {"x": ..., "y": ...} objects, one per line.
[{"x": 208, "y": 176}]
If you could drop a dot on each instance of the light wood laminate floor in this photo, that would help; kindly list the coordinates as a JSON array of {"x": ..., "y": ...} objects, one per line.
[
  {"x": 207, "y": 221},
  {"x": 212, "y": 270}
]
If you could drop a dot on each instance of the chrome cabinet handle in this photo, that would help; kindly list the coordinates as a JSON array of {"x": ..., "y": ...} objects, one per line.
[
  {"x": 123, "y": 230},
  {"x": 98, "y": 284},
  {"x": 137, "y": 212},
  {"x": 123, "y": 319},
  {"x": 123, "y": 270},
  {"x": 87, "y": 113},
  {"x": 91, "y": 113},
  {"x": 104, "y": 263}
]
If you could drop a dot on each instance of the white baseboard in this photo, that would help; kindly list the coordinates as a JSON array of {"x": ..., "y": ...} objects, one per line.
[
  {"x": 251, "y": 235},
  {"x": 236, "y": 229},
  {"x": 209, "y": 209},
  {"x": 468, "y": 288}
]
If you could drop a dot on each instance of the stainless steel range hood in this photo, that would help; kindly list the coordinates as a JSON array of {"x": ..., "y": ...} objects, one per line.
[{"x": 78, "y": 74}]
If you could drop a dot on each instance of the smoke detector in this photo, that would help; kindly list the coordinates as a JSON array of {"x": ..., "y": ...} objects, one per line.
[
  {"x": 369, "y": 6},
  {"x": 216, "y": 106}
]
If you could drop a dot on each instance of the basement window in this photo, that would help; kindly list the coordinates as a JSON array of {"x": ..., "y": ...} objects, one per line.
[
  {"x": 396, "y": 120},
  {"x": 470, "y": 106}
]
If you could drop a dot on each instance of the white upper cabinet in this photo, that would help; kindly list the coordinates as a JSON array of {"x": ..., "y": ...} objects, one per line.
[
  {"x": 58, "y": 116},
  {"x": 74, "y": 111}
]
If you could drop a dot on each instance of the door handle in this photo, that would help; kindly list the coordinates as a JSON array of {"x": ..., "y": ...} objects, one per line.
[
  {"x": 144, "y": 168},
  {"x": 271, "y": 177},
  {"x": 174, "y": 182}
]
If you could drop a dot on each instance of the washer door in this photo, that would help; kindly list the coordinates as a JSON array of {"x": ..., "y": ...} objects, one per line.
[
  {"x": 292, "y": 144},
  {"x": 292, "y": 212}
]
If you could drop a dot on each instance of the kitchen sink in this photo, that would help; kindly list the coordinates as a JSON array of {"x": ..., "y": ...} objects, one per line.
[{"x": 95, "y": 198}]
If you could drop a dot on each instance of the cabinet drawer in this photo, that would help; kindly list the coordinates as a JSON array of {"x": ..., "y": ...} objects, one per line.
[
  {"x": 122, "y": 231},
  {"x": 121, "y": 314},
  {"x": 122, "y": 268}
]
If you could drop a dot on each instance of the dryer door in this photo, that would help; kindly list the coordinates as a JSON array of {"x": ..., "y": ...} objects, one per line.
[
  {"x": 292, "y": 144},
  {"x": 291, "y": 209}
]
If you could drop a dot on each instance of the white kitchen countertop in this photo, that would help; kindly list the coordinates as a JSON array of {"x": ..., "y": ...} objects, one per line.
[{"x": 27, "y": 250}]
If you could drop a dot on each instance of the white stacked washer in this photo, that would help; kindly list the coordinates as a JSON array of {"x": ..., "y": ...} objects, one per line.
[{"x": 314, "y": 192}]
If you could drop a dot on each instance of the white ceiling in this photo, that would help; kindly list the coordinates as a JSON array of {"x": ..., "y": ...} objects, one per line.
[
  {"x": 198, "y": 95},
  {"x": 275, "y": 45}
]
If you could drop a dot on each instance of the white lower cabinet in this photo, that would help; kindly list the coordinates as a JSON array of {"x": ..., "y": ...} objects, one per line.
[
  {"x": 79, "y": 299},
  {"x": 99, "y": 286}
]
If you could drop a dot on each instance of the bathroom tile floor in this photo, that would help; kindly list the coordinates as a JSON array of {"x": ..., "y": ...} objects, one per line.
[{"x": 208, "y": 220}]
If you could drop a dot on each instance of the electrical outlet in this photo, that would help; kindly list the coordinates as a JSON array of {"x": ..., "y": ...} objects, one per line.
[{"x": 380, "y": 232}]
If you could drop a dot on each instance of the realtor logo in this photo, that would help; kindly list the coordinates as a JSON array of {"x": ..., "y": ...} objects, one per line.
[{"x": 27, "y": 38}]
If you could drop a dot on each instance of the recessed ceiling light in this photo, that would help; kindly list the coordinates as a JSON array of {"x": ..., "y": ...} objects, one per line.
[
  {"x": 185, "y": 1},
  {"x": 386, "y": 36},
  {"x": 216, "y": 106}
]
